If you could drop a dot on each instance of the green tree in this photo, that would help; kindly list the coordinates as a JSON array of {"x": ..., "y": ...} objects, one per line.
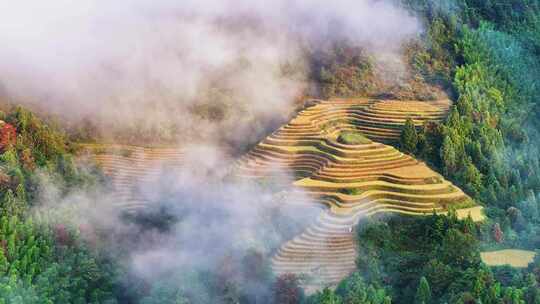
[
  {"x": 327, "y": 296},
  {"x": 423, "y": 292},
  {"x": 354, "y": 290},
  {"x": 409, "y": 137}
]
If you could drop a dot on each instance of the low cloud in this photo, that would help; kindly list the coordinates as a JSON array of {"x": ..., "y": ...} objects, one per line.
[
  {"x": 205, "y": 71},
  {"x": 149, "y": 66}
]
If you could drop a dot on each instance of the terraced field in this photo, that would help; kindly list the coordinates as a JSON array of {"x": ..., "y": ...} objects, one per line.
[
  {"x": 379, "y": 120},
  {"x": 513, "y": 257},
  {"x": 351, "y": 180},
  {"x": 130, "y": 168}
]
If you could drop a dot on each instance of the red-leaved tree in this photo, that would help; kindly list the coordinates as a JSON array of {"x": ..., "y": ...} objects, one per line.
[
  {"x": 8, "y": 135},
  {"x": 498, "y": 235}
]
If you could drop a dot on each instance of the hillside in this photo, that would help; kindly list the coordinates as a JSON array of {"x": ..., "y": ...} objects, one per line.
[
  {"x": 352, "y": 180},
  {"x": 130, "y": 168},
  {"x": 241, "y": 152}
]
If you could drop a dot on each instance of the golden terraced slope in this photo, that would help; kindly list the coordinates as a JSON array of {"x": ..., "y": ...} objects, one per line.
[{"x": 351, "y": 180}]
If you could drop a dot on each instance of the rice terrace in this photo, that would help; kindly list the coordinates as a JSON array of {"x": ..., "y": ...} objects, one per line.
[
  {"x": 270, "y": 152},
  {"x": 352, "y": 180}
]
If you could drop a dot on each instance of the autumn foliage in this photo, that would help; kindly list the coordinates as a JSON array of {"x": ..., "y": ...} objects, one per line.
[
  {"x": 8, "y": 135},
  {"x": 498, "y": 235}
]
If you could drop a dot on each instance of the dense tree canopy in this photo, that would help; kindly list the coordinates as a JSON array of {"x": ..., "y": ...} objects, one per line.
[{"x": 42, "y": 261}]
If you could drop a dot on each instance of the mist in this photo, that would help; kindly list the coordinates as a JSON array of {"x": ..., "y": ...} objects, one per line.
[
  {"x": 186, "y": 70},
  {"x": 196, "y": 73},
  {"x": 200, "y": 219}
]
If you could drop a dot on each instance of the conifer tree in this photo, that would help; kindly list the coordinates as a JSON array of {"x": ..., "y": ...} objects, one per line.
[
  {"x": 328, "y": 296},
  {"x": 423, "y": 293},
  {"x": 409, "y": 137}
]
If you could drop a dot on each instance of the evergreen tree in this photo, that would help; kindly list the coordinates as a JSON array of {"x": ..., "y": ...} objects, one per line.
[
  {"x": 448, "y": 156},
  {"x": 423, "y": 293},
  {"x": 327, "y": 296},
  {"x": 355, "y": 291},
  {"x": 409, "y": 137},
  {"x": 471, "y": 177}
]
